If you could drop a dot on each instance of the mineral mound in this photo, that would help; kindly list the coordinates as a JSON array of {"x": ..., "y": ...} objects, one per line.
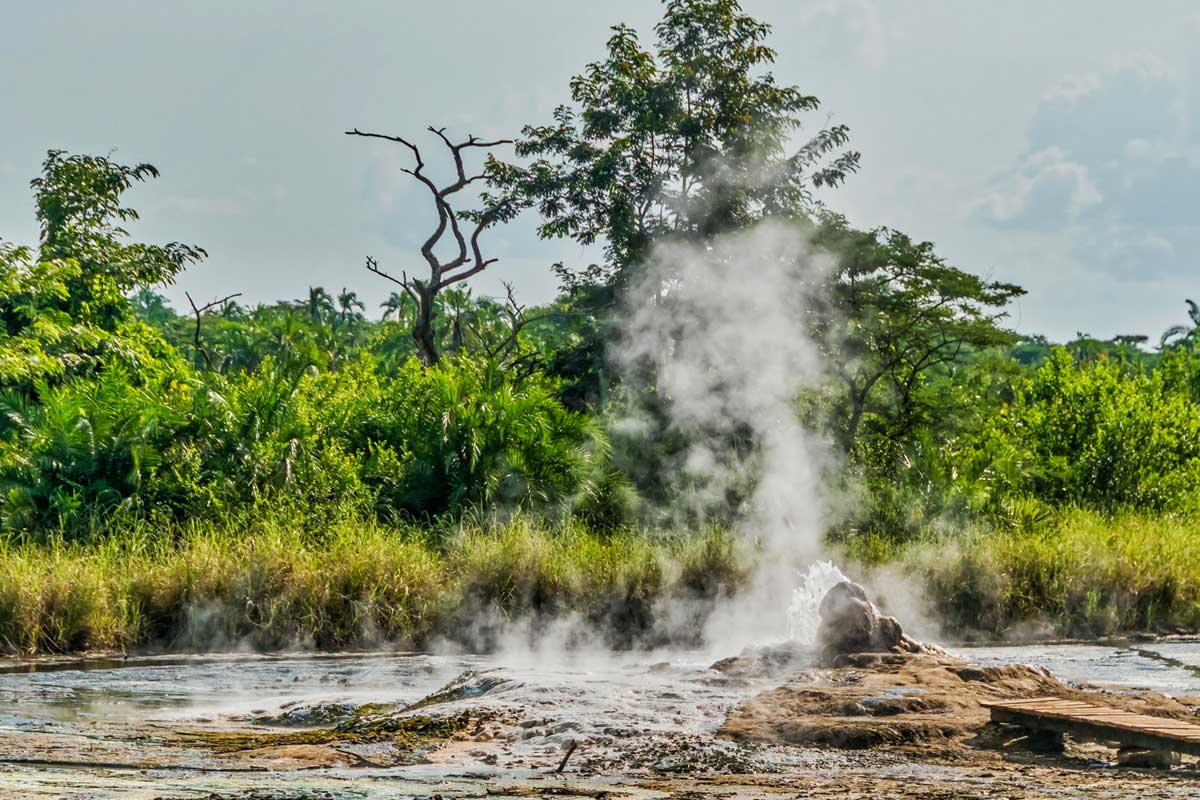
[{"x": 872, "y": 685}]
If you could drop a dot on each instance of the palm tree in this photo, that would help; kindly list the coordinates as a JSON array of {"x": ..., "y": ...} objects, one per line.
[
  {"x": 397, "y": 303},
  {"x": 347, "y": 302},
  {"x": 1183, "y": 335},
  {"x": 318, "y": 304}
]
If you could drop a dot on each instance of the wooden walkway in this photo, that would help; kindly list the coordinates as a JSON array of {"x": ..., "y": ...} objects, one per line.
[{"x": 1099, "y": 723}]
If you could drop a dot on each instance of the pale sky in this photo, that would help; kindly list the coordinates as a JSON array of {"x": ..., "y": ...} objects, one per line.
[{"x": 1056, "y": 145}]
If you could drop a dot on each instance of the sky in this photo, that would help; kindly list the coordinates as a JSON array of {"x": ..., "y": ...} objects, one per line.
[{"x": 1055, "y": 145}]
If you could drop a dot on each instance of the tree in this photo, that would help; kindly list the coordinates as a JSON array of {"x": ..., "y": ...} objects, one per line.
[
  {"x": 1183, "y": 335},
  {"x": 896, "y": 313},
  {"x": 80, "y": 215},
  {"x": 687, "y": 139},
  {"x": 396, "y": 304},
  {"x": 690, "y": 139},
  {"x": 347, "y": 302},
  {"x": 318, "y": 304},
  {"x": 468, "y": 259},
  {"x": 65, "y": 309}
]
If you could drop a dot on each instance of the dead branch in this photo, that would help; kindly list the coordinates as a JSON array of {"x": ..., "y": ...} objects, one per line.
[
  {"x": 563, "y": 764},
  {"x": 197, "y": 312}
]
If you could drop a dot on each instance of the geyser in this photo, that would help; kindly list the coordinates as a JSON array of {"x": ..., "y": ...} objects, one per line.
[{"x": 723, "y": 326}]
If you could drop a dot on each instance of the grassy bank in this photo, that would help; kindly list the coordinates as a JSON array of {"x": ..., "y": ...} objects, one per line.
[
  {"x": 1078, "y": 574},
  {"x": 358, "y": 584},
  {"x": 271, "y": 584}
]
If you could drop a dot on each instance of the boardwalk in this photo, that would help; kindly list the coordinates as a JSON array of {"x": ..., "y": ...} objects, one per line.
[{"x": 1099, "y": 723}]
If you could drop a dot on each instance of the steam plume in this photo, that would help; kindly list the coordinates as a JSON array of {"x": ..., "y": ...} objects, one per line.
[{"x": 724, "y": 327}]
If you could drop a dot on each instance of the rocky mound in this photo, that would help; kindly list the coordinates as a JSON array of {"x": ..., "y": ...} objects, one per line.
[
  {"x": 879, "y": 687},
  {"x": 851, "y": 623},
  {"x": 899, "y": 699}
]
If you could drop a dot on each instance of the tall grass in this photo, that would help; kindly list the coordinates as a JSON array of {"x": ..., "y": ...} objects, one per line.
[
  {"x": 1082, "y": 573},
  {"x": 271, "y": 584}
]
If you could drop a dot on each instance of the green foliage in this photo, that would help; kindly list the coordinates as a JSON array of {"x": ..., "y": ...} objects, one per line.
[
  {"x": 1104, "y": 433},
  {"x": 689, "y": 138},
  {"x": 135, "y": 437},
  {"x": 79, "y": 210},
  {"x": 83, "y": 453},
  {"x": 897, "y": 316},
  {"x": 40, "y": 339},
  {"x": 464, "y": 434}
]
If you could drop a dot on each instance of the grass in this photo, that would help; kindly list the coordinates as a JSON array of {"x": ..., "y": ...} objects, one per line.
[
  {"x": 1080, "y": 573},
  {"x": 273, "y": 585}
]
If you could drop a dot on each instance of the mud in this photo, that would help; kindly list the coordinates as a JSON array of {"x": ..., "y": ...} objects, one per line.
[{"x": 771, "y": 724}]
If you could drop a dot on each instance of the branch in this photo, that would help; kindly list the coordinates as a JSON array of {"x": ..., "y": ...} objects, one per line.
[
  {"x": 456, "y": 152},
  {"x": 373, "y": 266},
  {"x": 197, "y": 312},
  {"x": 443, "y": 209}
]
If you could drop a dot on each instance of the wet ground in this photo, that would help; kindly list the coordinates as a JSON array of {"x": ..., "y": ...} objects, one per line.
[{"x": 413, "y": 725}]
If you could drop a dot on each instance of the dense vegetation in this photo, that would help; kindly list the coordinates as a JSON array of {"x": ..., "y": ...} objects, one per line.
[{"x": 308, "y": 473}]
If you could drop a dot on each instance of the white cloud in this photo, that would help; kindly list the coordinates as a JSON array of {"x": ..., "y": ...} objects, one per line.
[
  {"x": 1107, "y": 169},
  {"x": 1046, "y": 191}
]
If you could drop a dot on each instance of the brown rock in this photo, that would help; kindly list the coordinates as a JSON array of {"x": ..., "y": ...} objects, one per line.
[{"x": 850, "y": 623}]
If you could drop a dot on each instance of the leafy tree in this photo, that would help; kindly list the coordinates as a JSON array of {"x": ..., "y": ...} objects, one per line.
[
  {"x": 1099, "y": 434},
  {"x": 318, "y": 304},
  {"x": 897, "y": 313},
  {"x": 684, "y": 139},
  {"x": 688, "y": 139},
  {"x": 80, "y": 214},
  {"x": 65, "y": 309},
  {"x": 347, "y": 303}
]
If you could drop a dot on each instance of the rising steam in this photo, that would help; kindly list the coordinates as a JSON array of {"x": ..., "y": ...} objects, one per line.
[{"x": 724, "y": 328}]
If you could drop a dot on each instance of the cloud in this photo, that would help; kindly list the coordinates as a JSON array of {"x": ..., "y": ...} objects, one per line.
[
  {"x": 1047, "y": 192},
  {"x": 857, "y": 21},
  {"x": 1113, "y": 165}
]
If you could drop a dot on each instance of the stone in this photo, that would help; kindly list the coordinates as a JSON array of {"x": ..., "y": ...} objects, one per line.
[
  {"x": 851, "y": 623},
  {"x": 1150, "y": 759}
]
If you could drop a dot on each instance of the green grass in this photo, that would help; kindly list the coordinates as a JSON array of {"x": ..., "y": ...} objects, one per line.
[
  {"x": 1080, "y": 572},
  {"x": 272, "y": 585},
  {"x": 275, "y": 583}
]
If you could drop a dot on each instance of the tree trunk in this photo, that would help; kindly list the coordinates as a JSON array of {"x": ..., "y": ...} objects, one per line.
[
  {"x": 422, "y": 331},
  {"x": 856, "y": 415}
]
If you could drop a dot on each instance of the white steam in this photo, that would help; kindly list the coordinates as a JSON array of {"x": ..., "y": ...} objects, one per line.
[{"x": 725, "y": 328}]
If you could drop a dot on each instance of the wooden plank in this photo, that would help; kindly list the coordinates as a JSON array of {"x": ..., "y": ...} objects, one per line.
[{"x": 1102, "y": 723}]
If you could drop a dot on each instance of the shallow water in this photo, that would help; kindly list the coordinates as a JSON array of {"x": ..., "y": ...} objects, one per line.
[
  {"x": 115, "y": 717},
  {"x": 1171, "y": 667}
]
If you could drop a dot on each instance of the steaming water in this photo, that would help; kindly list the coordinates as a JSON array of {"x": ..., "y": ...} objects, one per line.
[
  {"x": 806, "y": 599},
  {"x": 638, "y": 708}
]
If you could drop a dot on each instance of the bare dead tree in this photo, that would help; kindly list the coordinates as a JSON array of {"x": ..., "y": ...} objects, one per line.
[
  {"x": 468, "y": 260},
  {"x": 197, "y": 312}
]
